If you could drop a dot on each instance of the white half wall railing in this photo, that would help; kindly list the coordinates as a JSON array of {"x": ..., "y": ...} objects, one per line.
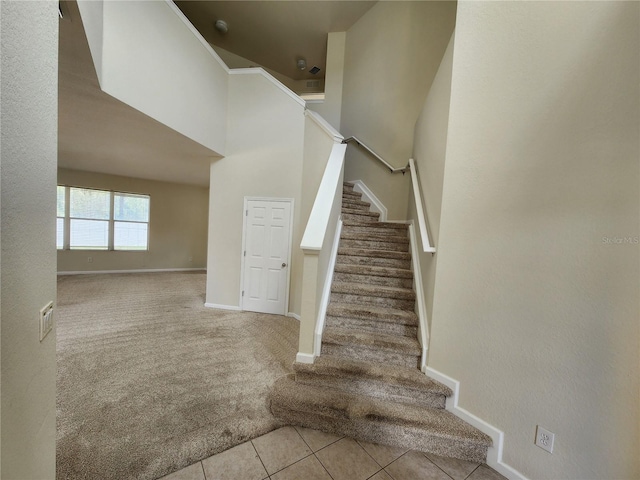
[{"x": 319, "y": 245}]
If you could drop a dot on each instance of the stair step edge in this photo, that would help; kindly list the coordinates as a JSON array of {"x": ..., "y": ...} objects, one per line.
[
  {"x": 383, "y": 342},
  {"x": 393, "y": 375},
  {"x": 347, "y": 406}
]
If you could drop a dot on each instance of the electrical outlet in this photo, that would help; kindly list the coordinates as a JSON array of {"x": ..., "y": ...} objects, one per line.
[
  {"x": 89, "y": 259},
  {"x": 545, "y": 439},
  {"x": 190, "y": 259},
  {"x": 46, "y": 320}
]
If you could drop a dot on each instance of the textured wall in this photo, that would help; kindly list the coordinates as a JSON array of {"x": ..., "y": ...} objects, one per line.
[
  {"x": 429, "y": 152},
  {"x": 391, "y": 57},
  {"x": 153, "y": 62},
  {"x": 264, "y": 159},
  {"x": 29, "y": 51},
  {"x": 536, "y": 304},
  {"x": 177, "y": 225}
]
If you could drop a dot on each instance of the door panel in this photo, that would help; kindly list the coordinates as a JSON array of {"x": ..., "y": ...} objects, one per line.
[{"x": 267, "y": 244}]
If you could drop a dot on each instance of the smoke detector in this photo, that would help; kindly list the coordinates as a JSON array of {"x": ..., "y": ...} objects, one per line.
[{"x": 221, "y": 26}]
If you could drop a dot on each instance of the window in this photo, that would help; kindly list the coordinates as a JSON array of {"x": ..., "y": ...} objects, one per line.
[{"x": 91, "y": 219}]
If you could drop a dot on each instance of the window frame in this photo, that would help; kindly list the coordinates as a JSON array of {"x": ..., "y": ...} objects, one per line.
[{"x": 66, "y": 244}]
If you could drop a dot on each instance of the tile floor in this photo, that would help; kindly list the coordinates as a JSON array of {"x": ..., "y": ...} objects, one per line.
[{"x": 295, "y": 453}]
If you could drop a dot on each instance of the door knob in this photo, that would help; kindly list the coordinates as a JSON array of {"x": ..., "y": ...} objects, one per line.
[{"x": 284, "y": 265}]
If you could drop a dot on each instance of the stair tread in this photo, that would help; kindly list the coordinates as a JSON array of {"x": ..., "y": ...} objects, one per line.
[
  {"x": 371, "y": 312},
  {"x": 395, "y": 343},
  {"x": 351, "y": 193},
  {"x": 373, "y": 290},
  {"x": 371, "y": 252},
  {"x": 394, "y": 375},
  {"x": 364, "y": 213},
  {"x": 373, "y": 270},
  {"x": 372, "y": 237},
  {"x": 354, "y": 199},
  {"x": 353, "y": 223},
  {"x": 354, "y": 407}
]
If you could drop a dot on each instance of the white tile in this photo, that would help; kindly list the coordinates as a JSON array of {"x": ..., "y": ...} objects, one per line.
[
  {"x": 237, "y": 463},
  {"x": 192, "y": 472},
  {"x": 281, "y": 448}
]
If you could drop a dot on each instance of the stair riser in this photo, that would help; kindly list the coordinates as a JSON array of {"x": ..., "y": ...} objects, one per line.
[
  {"x": 351, "y": 194},
  {"x": 374, "y": 245},
  {"x": 371, "y": 355},
  {"x": 359, "y": 218},
  {"x": 373, "y": 261},
  {"x": 346, "y": 187},
  {"x": 373, "y": 280},
  {"x": 368, "y": 300},
  {"x": 380, "y": 433},
  {"x": 374, "y": 230},
  {"x": 356, "y": 206},
  {"x": 372, "y": 388},
  {"x": 373, "y": 326}
]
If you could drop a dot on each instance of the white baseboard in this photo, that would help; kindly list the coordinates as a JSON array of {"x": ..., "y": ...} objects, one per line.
[
  {"x": 494, "y": 454},
  {"x": 144, "y": 270},
  {"x": 293, "y": 315},
  {"x": 368, "y": 196},
  {"x": 305, "y": 358},
  {"x": 223, "y": 307}
]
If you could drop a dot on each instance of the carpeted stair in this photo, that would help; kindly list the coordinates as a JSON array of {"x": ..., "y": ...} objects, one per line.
[{"x": 366, "y": 383}]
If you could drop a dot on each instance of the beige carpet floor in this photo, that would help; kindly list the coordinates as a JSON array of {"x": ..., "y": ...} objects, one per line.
[{"x": 150, "y": 381}]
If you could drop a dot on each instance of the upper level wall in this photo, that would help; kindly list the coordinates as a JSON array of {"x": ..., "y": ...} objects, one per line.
[
  {"x": 153, "y": 60},
  {"x": 533, "y": 292},
  {"x": 331, "y": 107},
  {"x": 429, "y": 152},
  {"x": 392, "y": 55}
]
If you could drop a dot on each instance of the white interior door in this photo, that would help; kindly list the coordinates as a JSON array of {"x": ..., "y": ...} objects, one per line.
[{"x": 267, "y": 237}]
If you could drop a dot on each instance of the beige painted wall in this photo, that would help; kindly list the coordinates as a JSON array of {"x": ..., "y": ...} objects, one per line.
[
  {"x": 392, "y": 55},
  {"x": 236, "y": 61},
  {"x": 177, "y": 225},
  {"x": 536, "y": 304},
  {"x": 149, "y": 59},
  {"x": 429, "y": 150},
  {"x": 331, "y": 107},
  {"x": 264, "y": 159},
  {"x": 29, "y": 56}
]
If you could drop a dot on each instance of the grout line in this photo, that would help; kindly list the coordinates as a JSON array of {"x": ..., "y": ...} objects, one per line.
[
  {"x": 305, "y": 442},
  {"x": 297, "y": 461},
  {"x": 465, "y": 478},
  {"x": 439, "y": 467},
  {"x": 382, "y": 469},
  {"x": 365, "y": 451},
  {"x": 263, "y": 465},
  {"x": 322, "y": 465},
  {"x": 204, "y": 474}
]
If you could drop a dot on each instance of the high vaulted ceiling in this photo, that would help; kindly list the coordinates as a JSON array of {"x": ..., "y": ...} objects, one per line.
[
  {"x": 275, "y": 34},
  {"x": 101, "y": 134}
]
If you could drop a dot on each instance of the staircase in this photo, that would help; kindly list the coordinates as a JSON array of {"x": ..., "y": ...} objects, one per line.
[{"x": 366, "y": 383}]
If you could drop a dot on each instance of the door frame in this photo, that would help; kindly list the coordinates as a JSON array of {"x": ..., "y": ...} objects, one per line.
[{"x": 245, "y": 209}]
